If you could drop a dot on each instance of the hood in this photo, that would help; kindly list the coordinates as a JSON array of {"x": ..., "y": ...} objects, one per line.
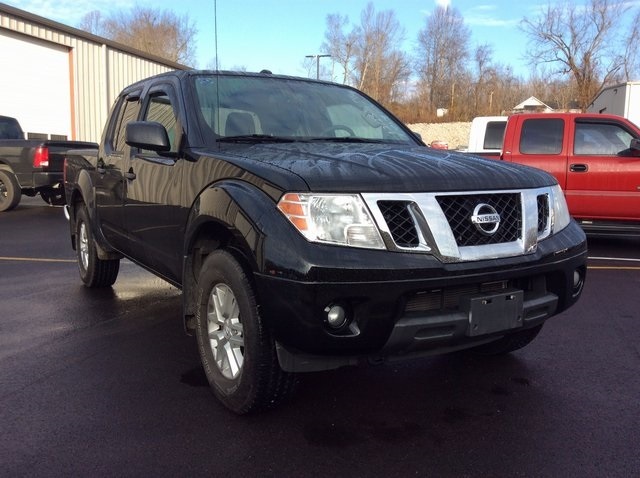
[{"x": 349, "y": 167}]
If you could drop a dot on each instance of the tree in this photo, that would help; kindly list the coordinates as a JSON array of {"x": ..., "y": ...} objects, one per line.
[
  {"x": 631, "y": 65},
  {"x": 157, "y": 32},
  {"x": 339, "y": 45},
  {"x": 584, "y": 42},
  {"x": 483, "y": 91},
  {"x": 442, "y": 54},
  {"x": 370, "y": 54},
  {"x": 92, "y": 23}
]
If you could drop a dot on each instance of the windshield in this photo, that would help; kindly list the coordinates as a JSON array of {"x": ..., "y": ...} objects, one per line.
[{"x": 251, "y": 108}]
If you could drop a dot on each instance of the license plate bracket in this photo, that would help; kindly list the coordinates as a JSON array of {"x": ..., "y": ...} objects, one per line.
[{"x": 494, "y": 312}]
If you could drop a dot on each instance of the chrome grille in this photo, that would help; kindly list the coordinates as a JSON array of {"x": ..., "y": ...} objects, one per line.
[
  {"x": 439, "y": 224},
  {"x": 459, "y": 209},
  {"x": 397, "y": 216},
  {"x": 543, "y": 212}
]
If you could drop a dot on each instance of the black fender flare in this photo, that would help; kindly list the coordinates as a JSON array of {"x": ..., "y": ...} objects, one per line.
[
  {"x": 84, "y": 191},
  {"x": 231, "y": 214}
]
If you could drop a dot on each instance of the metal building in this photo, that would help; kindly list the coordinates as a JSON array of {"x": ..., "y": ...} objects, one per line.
[
  {"x": 622, "y": 99},
  {"x": 59, "y": 81}
]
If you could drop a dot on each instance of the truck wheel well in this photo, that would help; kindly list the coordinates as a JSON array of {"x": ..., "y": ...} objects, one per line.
[
  {"x": 209, "y": 238},
  {"x": 76, "y": 202}
]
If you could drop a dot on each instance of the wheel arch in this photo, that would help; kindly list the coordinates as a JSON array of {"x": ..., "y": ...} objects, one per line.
[
  {"x": 221, "y": 218},
  {"x": 83, "y": 194},
  {"x": 8, "y": 169}
]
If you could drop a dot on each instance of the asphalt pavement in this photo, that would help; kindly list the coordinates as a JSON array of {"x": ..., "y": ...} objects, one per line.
[{"x": 106, "y": 383}]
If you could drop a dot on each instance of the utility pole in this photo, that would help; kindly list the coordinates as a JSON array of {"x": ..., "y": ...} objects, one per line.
[{"x": 317, "y": 57}]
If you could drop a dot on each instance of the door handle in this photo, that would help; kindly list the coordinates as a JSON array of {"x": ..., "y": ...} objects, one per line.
[
  {"x": 578, "y": 168},
  {"x": 130, "y": 175}
]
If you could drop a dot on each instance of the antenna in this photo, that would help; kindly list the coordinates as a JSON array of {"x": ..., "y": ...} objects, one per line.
[{"x": 215, "y": 30}]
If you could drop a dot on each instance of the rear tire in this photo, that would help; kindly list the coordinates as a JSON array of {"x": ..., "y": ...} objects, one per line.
[
  {"x": 10, "y": 192},
  {"x": 509, "y": 343},
  {"x": 94, "y": 272},
  {"x": 236, "y": 347}
]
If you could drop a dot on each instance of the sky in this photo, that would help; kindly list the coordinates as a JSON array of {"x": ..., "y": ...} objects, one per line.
[{"x": 278, "y": 34}]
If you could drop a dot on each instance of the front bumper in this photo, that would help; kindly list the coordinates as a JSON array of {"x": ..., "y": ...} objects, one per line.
[{"x": 413, "y": 304}]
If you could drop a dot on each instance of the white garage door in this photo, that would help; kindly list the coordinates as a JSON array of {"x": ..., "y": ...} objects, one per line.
[{"x": 34, "y": 84}]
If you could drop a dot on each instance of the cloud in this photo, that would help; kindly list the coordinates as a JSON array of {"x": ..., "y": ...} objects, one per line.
[
  {"x": 486, "y": 16},
  {"x": 70, "y": 12}
]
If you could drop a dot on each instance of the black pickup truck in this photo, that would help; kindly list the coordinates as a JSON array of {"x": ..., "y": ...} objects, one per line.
[
  {"x": 309, "y": 229},
  {"x": 31, "y": 167}
]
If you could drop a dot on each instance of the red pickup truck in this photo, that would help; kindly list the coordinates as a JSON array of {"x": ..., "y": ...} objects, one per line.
[{"x": 594, "y": 157}]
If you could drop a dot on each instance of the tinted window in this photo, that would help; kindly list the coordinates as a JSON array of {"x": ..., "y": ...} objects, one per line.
[
  {"x": 542, "y": 136},
  {"x": 128, "y": 112},
  {"x": 160, "y": 110},
  {"x": 10, "y": 129},
  {"x": 494, "y": 134},
  {"x": 600, "y": 139}
]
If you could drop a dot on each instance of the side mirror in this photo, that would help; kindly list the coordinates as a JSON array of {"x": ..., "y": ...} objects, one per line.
[
  {"x": 635, "y": 147},
  {"x": 147, "y": 135}
]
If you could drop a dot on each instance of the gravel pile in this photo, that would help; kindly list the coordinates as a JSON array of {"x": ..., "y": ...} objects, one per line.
[{"x": 455, "y": 134}]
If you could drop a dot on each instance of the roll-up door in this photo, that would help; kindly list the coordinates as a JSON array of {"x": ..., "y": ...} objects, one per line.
[{"x": 35, "y": 84}]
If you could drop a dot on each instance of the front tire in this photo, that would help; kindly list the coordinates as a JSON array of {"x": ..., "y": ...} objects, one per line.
[
  {"x": 236, "y": 347},
  {"x": 10, "y": 192},
  {"x": 94, "y": 272}
]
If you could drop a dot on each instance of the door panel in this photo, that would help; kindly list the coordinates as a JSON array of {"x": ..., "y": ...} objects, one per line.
[
  {"x": 110, "y": 185},
  {"x": 154, "y": 210},
  {"x": 603, "y": 181},
  {"x": 540, "y": 144}
]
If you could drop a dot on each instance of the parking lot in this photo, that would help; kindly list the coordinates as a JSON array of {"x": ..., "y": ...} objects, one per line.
[{"x": 106, "y": 383}]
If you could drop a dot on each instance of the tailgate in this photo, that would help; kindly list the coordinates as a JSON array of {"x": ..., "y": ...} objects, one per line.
[{"x": 58, "y": 151}]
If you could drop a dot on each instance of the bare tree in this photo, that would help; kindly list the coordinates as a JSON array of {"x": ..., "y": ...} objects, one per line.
[
  {"x": 340, "y": 45},
  {"x": 482, "y": 91},
  {"x": 442, "y": 54},
  {"x": 92, "y": 23},
  {"x": 380, "y": 64},
  {"x": 631, "y": 65},
  {"x": 583, "y": 41},
  {"x": 369, "y": 54},
  {"x": 157, "y": 32}
]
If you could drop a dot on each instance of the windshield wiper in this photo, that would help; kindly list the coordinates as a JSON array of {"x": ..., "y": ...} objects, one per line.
[
  {"x": 255, "y": 138},
  {"x": 348, "y": 139}
]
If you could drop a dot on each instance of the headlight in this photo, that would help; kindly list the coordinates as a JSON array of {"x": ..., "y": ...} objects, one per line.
[
  {"x": 341, "y": 219},
  {"x": 560, "y": 218}
]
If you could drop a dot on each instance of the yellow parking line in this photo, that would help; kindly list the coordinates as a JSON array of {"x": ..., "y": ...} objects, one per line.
[
  {"x": 35, "y": 259},
  {"x": 615, "y": 268}
]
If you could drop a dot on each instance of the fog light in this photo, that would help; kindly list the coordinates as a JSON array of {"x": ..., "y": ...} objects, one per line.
[{"x": 336, "y": 316}]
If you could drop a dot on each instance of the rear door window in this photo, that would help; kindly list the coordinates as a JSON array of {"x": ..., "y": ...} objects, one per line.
[
  {"x": 127, "y": 111},
  {"x": 542, "y": 136}
]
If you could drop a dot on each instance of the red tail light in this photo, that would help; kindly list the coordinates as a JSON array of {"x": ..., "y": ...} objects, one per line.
[{"x": 41, "y": 157}]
